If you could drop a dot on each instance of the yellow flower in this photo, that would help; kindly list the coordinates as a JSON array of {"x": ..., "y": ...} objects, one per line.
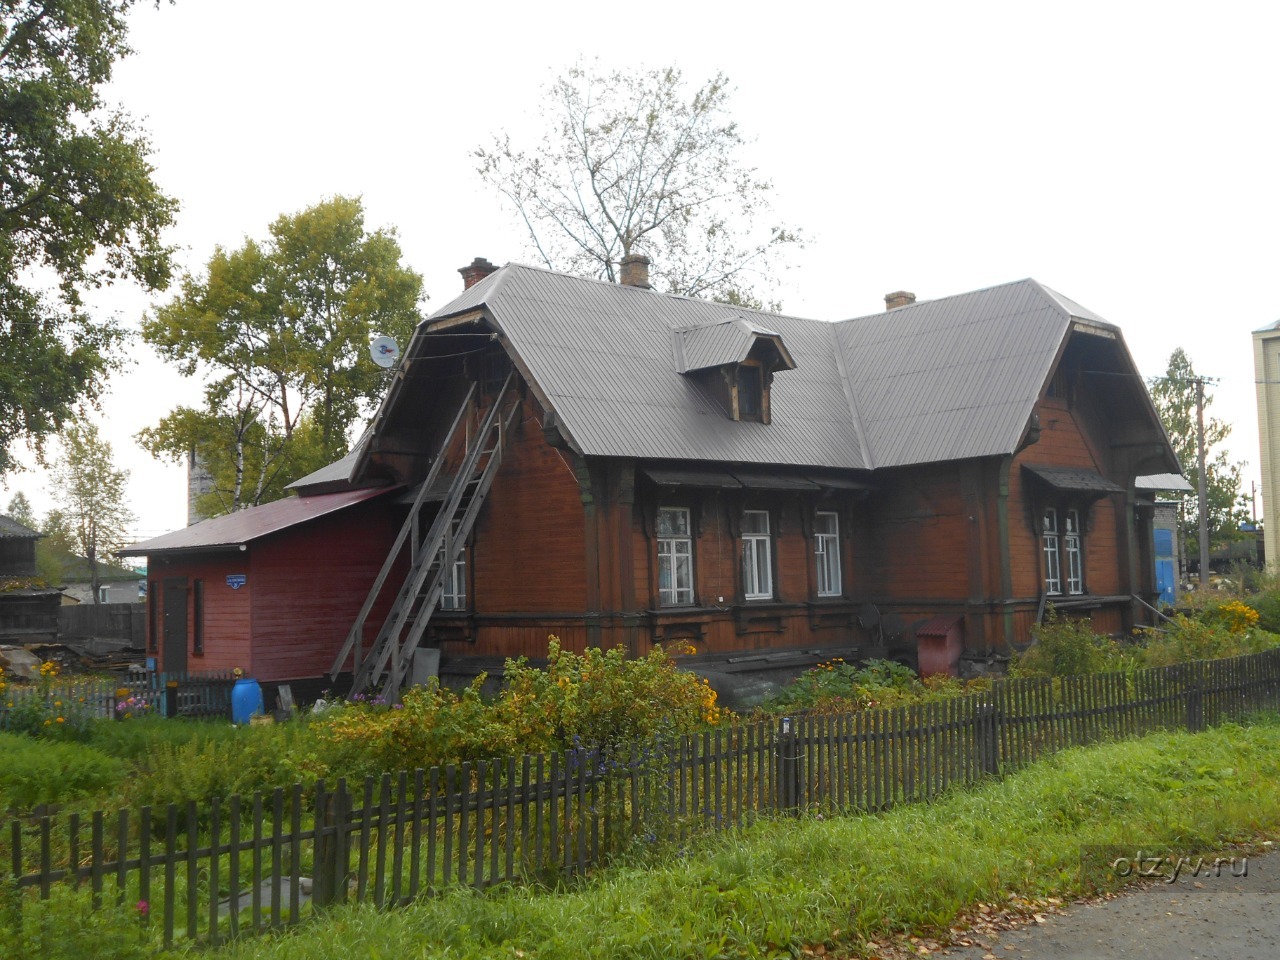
[{"x": 60, "y": 720}]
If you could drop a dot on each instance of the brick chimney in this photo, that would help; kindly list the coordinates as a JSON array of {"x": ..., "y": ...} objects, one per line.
[
  {"x": 635, "y": 270},
  {"x": 475, "y": 271},
  {"x": 899, "y": 298}
]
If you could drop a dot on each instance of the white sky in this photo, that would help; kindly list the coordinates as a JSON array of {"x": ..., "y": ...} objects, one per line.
[{"x": 1121, "y": 153}]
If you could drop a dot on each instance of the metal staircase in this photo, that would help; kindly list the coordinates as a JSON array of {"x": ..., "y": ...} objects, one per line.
[{"x": 431, "y": 557}]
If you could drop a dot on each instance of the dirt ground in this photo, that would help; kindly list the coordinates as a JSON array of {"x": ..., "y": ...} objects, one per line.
[{"x": 1205, "y": 916}]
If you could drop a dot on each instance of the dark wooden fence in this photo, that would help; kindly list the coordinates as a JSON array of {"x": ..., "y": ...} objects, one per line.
[
  {"x": 169, "y": 695},
  {"x": 243, "y": 864},
  {"x": 116, "y": 621}
]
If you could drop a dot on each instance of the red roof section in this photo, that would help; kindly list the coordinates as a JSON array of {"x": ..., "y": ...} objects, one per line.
[
  {"x": 939, "y": 626},
  {"x": 245, "y": 526}
]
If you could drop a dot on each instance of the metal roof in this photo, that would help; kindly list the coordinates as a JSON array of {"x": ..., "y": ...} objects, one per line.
[
  {"x": 706, "y": 345},
  {"x": 938, "y": 380},
  {"x": 1163, "y": 481},
  {"x": 244, "y": 526},
  {"x": 1074, "y": 479},
  {"x": 11, "y": 529}
]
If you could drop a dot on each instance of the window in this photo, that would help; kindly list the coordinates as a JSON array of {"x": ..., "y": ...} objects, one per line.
[
  {"x": 750, "y": 392},
  {"x": 757, "y": 566},
  {"x": 675, "y": 557},
  {"x": 197, "y": 641},
  {"x": 454, "y": 596},
  {"x": 826, "y": 549},
  {"x": 1062, "y": 549}
]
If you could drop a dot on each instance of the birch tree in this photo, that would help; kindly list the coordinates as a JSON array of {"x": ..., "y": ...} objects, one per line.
[{"x": 639, "y": 163}]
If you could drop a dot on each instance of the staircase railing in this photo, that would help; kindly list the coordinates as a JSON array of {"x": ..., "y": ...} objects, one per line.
[{"x": 433, "y": 557}]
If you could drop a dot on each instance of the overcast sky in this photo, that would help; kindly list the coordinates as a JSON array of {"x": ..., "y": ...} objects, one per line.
[{"x": 1123, "y": 154}]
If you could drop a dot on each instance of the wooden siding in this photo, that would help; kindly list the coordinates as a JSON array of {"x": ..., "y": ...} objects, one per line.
[
  {"x": 1063, "y": 443},
  {"x": 527, "y": 554},
  {"x": 917, "y": 536},
  {"x": 308, "y": 585},
  {"x": 227, "y": 612}
]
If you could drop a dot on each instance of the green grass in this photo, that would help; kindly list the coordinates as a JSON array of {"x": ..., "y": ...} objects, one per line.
[{"x": 769, "y": 890}]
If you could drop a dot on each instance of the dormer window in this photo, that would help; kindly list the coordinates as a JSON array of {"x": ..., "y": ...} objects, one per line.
[
  {"x": 750, "y": 392},
  {"x": 734, "y": 360}
]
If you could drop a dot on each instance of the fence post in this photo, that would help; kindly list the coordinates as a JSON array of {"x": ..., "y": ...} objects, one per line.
[
  {"x": 324, "y": 848},
  {"x": 171, "y": 700},
  {"x": 1195, "y": 704},
  {"x": 988, "y": 740},
  {"x": 786, "y": 767}
]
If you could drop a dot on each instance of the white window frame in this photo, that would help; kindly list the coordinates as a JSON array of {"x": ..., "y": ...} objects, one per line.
[
  {"x": 1073, "y": 552},
  {"x": 757, "y": 558},
  {"x": 826, "y": 550},
  {"x": 454, "y": 594},
  {"x": 1049, "y": 548},
  {"x": 673, "y": 548}
]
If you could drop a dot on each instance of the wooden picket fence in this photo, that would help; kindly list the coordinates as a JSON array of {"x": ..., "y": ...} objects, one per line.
[
  {"x": 243, "y": 864},
  {"x": 206, "y": 694}
]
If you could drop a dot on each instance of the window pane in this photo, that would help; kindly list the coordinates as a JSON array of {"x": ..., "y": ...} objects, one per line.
[
  {"x": 827, "y": 523},
  {"x": 757, "y": 577},
  {"x": 1071, "y": 546},
  {"x": 673, "y": 522},
  {"x": 750, "y": 393},
  {"x": 755, "y": 521}
]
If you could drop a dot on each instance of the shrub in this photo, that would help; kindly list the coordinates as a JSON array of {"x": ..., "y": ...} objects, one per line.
[
  {"x": 1066, "y": 646},
  {"x": 592, "y": 699},
  {"x": 65, "y": 927},
  {"x": 837, "y": 687},
  {"x": 219, "y": 762},
  {"x": 35, "y": 772},
  {"x": 1210, "y": 637}
]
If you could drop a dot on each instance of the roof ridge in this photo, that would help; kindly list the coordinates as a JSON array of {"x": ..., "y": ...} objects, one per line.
[{"x": 950, "y": 296}]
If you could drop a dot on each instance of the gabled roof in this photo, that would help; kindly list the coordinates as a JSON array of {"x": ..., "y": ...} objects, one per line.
[
  {"x": 244, "y": 526},
  {"x": 938, "y": 380},
  {"x": 12, "y": 529},
  {"x": 704, "y": 345}
]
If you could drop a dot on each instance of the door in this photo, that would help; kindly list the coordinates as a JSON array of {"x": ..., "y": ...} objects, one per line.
[
  {"x": 1165, "y": 577},
  {"x": 174, "y": 650}
]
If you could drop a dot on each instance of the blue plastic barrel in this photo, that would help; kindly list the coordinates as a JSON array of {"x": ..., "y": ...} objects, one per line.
[{"x": 246, "y": 700}]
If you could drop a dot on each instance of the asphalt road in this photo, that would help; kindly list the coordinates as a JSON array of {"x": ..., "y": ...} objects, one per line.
[{"x": 1206, "y": 916}]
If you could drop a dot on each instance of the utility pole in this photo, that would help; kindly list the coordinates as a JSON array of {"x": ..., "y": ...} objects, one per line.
[{"x": 1202, "y": 485}]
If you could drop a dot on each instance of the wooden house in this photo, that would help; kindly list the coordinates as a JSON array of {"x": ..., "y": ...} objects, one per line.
[
  {"x": 28, "y": 605},
  {"x": 617, "y": 466}
]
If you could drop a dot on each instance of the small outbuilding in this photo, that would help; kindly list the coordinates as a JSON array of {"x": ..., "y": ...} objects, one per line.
[{"x": 272, "y": 589}]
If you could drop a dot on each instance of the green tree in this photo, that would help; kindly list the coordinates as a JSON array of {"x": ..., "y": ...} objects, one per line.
[
  {"x": 56, "y": 548},
  {"x": 280, "y": 331},
  {"x": 632, "y": 163},
  {"x": 78, "y": 206},
  {"x": 91, "y": 493},
  {"x": 20, "y": 509},
  {"x": 1175, "y": 399}
]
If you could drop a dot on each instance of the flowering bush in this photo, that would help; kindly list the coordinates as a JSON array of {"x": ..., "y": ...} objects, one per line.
[
  {"x": 131, "y": 707},
  {"x": 596, "y": 698},
  {"x": 43, "y": 711},
  {"x": 839, "y": 687}
]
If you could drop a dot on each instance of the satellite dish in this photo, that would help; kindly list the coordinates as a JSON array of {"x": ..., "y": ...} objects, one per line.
[{"x": 385, "y": 351}]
